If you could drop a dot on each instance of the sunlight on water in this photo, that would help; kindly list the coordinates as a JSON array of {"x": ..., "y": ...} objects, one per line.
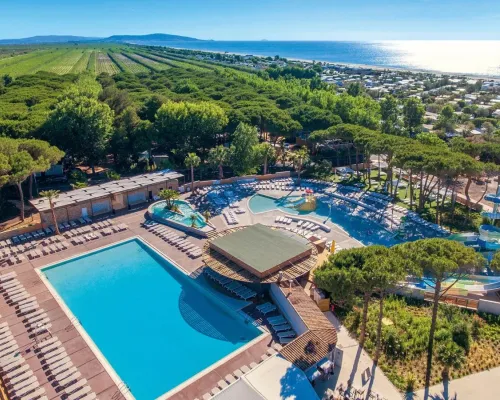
[
  {"x": 479, "y": 57},
  {"x": 467, "y": 56}
]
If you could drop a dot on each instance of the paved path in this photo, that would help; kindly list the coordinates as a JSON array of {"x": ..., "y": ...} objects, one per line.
[
  {"x": 355, "y": 365},
  {"x": 483, "y": 385}
]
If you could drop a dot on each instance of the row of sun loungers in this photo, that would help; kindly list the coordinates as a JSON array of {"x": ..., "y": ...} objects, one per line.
[
  {"x": 238, "y": 289},
  {"x": 173, "y": 238},
  {"x": 281, "y": 328},
  {"x": 230, "y": 217},
  {"x": 21, "y": 381},
  {"x": 283, "y": 220}
]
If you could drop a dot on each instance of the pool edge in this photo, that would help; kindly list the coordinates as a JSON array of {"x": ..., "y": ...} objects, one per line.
[{"x": 100, "y": 356}]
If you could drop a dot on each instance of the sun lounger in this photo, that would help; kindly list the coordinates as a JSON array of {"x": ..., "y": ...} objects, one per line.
[
  {"x": 56, "y": 356},
  {"x": 21, "y": 377},
  {"x": 47, "y": 342},
  {"x": 65, "y": 377},
  {"x": 77, "y": 385},
  {"x": 8, "y": 363},
  {"x": 23, "y": 386},
  {"x": 265, "y": 305},
  {"x": 8, "y": 276},
  {"x": 80, "y": 393},
  {"x": 289, "y": 333},
  {"x": 8, "y": 345},
  {"x": 34, "y": 314},
  {"x": 64, "y": 365},
  {"x": 18, "y": 371},
  {"x": 42, "y": 328},
  {"x": 282, "y": 328},
  {"x": 59, "y": 363},
  {"x": 268, "y": 310},
  {"x": 277, "y": 319},
  {"x": 36, "y": 318},
  {"x": 50, "y": 348},
  {"x": 33, "y": 395}
]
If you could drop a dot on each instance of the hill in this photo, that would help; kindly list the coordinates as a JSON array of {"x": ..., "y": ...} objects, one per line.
[
  {"x": 48, "y": 39},
  {"x": 157, "y": 37}
]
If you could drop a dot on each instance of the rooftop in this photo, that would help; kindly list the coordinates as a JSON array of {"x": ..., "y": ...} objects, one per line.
[
  {"x": 315, "y": 344},
  {"x": 260, "y": 249},
  {"x": 74, "y": 197}
]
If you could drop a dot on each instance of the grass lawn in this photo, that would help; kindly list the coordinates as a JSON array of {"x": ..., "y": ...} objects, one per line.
[
  {"x": 405, "y": 334},
  {"x": 460, "y": 221}
]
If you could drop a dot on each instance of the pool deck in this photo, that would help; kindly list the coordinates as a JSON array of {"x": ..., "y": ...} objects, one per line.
[{"x": 80, "y": 353}]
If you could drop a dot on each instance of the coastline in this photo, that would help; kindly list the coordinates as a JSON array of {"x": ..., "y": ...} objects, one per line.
[{"x": 344, "y": 64}]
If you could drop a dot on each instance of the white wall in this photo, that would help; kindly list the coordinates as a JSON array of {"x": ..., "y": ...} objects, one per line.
[
  {"x": 489, "y": 306},
  {"x": 287, "y": 309}
]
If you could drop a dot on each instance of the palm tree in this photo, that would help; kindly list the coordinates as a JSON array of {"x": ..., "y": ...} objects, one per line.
[
  {"x": 169, "y": 195},
  {"x": 266, "y": 153},
  {"x": 193, "y": 219},
  {"x": 300, "y": 157},
  {"x": 217, "y": 157},
  {"x": 192, "y": 161},
  {"x": 51, "y": 195},
  {"x": 206, "y": 215}
]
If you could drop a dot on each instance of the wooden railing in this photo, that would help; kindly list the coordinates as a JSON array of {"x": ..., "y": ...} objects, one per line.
[{"x": 463, "y": 302}]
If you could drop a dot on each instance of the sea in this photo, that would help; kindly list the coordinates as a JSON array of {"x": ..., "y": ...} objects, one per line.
[{"x": 459, "y": 57}]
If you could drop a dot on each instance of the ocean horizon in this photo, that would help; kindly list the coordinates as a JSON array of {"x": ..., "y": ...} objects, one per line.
[{"x": 460, "y": 57}]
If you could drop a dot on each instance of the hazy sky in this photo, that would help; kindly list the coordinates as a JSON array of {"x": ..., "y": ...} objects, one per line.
[{"x": 256, "y": 19}]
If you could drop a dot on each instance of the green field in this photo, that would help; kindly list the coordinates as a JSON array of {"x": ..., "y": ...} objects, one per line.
[
  {"x": 95, "y": 58},
  {"x": 74, "y": 59}
]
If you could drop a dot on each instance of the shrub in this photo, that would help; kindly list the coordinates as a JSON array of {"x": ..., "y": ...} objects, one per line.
[
  {"x": 461, "y": 335},
  {"x": 442, "y": 335}
]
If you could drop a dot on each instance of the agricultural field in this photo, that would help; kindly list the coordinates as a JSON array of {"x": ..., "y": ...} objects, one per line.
[
  {"x": 126, "y": 64},
  {"x": 61, "y": 59},
  {"x": 105, "y": 64},
  {"x": 96, "y": 58},
  {"x": 82, "y": 63},
  {"x": 155, "y": 65},
  {"x": 91, "y": 64}
]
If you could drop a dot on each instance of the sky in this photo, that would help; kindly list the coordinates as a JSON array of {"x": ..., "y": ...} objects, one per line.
[{"x": 256, "y": 19}]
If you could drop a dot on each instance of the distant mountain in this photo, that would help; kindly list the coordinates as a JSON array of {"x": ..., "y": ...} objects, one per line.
[
  {"x": 156, "y": 37},
  {"x": 48, "y": 39}
]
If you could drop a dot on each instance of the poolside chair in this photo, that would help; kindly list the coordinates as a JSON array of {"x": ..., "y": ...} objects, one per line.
[
  {"x": 60, "y": 364},
  {"x": 248, "y": 295},
  {"x": 75, "y": 390},
  {"x": 275, "y": 319},
  {"x": 47, "y": 342},
  {"x": 18, "y": 371},
  {"x": 268, "y": 310},
  {"x": 285, "y": 334},
  {"x": 282, "y": 328},
  {"x": 265, "y": 305}
]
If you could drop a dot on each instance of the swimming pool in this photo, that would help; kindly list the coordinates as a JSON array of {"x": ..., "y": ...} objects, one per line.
[
  {"x": 365, "y": 230},
  {"x": 183, "y": 216},
  {"x": 155, "y": 325}
]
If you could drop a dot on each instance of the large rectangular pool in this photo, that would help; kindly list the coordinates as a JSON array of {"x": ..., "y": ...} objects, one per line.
[{"x": 155, "y": 325}]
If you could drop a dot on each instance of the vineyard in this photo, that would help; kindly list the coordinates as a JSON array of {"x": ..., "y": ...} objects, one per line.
[
  {"x": 126, "y": 64},
  {"x": 105, "y": 64},
  {"x": 154, "y": 65},
  {"x": 111, "y": 59}
]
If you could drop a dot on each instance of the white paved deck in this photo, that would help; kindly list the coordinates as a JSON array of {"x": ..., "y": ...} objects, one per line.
[
  {"x": 355, "y": 364},
  {"x": 483, "y": 385}
]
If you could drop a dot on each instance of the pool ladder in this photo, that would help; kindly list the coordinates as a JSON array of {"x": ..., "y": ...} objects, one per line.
[{"x": 122, "y": 390}]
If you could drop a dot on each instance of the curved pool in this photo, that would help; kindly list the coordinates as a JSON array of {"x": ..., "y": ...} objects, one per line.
[
  {"x": 183, "y": 216},
  {"x": 367, "y": 231}
]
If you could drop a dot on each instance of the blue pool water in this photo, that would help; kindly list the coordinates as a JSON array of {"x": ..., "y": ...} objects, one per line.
[
  {"x": 156, "y": 326},
  {"x": 184, "y": 215},
  {"x": 365, "y": 230}
]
